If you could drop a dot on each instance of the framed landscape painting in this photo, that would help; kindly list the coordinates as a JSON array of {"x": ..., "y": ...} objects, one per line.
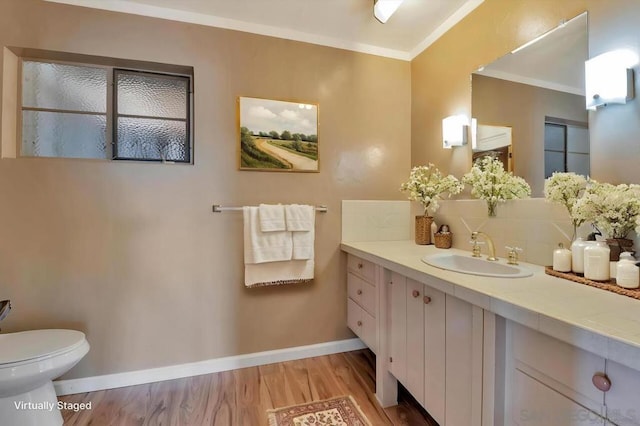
[{"x": 277, "y": 135}]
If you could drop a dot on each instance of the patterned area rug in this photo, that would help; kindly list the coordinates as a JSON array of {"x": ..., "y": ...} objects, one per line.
[{"x": 340, "y": 411}]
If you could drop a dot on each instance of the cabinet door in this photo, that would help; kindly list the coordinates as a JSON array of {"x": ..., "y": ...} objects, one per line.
[
  {"x": 415, "y": 340},
  {"x": 623, "y": 399},
  {"x": 538, "y": 405},
  {"x": 398, "y": 326},
  {"x": 463, "y": 374},
  {"x": 434, "y": 303}
]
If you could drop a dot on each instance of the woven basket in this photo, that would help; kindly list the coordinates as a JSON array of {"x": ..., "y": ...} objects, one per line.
[
  {"x": 443, "y": 241},
  {"x": 423, "y": 229}
]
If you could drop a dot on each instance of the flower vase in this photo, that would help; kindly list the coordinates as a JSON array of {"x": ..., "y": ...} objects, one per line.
[
  {"x": 423, "y": 229},
  {"x": 617, "y": 246},
  {"x": 491, "y": 205}
]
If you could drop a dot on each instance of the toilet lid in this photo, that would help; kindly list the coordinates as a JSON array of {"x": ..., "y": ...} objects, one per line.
[{"x": 26, "y": 345}]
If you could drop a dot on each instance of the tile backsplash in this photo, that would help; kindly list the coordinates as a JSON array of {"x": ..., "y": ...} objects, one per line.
[
  {"x": 371, "y": 220},
  {"x": 533, "y": 224}
]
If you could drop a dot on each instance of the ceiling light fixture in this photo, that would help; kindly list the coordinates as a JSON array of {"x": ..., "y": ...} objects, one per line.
[{"x": 383, "y": 9}]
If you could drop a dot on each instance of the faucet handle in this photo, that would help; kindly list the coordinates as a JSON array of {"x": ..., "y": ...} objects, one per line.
[
  {"x": 475, "y": 250},
  {"x": 512, "y": 256}
]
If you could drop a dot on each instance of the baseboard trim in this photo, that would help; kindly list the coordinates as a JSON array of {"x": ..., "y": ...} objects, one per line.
[{"x": 131, "y": 378}]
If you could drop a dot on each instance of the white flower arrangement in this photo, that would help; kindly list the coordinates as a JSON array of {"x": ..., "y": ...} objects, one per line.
[
  {"x": 614, "y": 210},
  {"x": 566, "y": 189},
  {"x": 427, "y": 184},
  {"x": 490, "y": 182}
]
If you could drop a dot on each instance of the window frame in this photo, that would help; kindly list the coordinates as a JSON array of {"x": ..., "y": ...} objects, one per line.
[
  {"x": 111, "y": 108},
  {"x": 188, "y": 120}
]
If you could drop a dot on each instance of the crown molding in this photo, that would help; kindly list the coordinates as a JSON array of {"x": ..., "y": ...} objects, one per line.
[{"x": 141, "y": 9}]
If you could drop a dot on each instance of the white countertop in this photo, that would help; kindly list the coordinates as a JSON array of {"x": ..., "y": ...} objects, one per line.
[{"x": 596, "y": 320}]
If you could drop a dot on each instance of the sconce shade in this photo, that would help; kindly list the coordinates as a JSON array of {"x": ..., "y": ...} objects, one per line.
[
  {"x": 383, "y": 9},
  {"x": 454, "y": 131},
  {"x": 608, "y": 80}
]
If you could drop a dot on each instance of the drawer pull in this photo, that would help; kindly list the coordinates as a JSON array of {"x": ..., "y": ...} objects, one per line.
[
  {"x": 359, "y": 292},
  {"x": 415, "y": 293},
  {"x": 360, "y": 265},
  {"x": 427, "y": 300},
  {"x": 359, "y": 323},
  {"x": 601, "y": 381}
]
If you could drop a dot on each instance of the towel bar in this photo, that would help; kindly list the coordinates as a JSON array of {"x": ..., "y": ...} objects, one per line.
[{"x": 217, "y": 208}]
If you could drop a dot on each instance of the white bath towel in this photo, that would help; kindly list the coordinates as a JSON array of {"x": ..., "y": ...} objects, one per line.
[
  {"x": 300, "y": 217},
  {"x": 261, "y": 247},
  {"x": 272, "y": 217},
  {"x": 276, "y": 273}
]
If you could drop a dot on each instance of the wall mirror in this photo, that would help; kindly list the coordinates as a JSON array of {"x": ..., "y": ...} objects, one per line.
[{"x": 529, "y": 106}]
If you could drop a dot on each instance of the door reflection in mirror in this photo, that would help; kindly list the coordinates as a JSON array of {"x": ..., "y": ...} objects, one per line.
[{"x": 566, "y": 147}]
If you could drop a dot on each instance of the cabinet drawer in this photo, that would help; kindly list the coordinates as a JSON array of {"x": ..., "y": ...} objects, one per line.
[
  {"x": 363, "y": 293},
  {"x": 363, "y": 324},
  {"x": 560, "y": 365},
  {"x": 536, "y": 405},
  {"x": 362, "y": 268},
  {"x": 622, "y": 399}
]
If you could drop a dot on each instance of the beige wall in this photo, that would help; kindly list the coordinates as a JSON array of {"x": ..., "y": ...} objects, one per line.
[
  {"x": 131, "y": 254},
  {"x": 523, "y": 108}
]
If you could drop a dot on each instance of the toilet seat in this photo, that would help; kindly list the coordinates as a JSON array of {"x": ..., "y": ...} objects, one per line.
[{"x": 36, "y": 345}]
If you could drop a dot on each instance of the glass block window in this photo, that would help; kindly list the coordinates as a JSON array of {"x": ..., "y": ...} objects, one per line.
[
  {"x": 64, "y": 110},
  {"x": 73, "y": 110},
  {"x": 151, "y": 117}
]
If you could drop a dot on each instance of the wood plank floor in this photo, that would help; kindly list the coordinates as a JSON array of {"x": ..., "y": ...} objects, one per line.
[{"x": 241, "y": 397}]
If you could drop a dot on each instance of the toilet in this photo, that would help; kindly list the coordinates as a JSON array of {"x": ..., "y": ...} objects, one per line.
[{"x": 29, "y": 361}]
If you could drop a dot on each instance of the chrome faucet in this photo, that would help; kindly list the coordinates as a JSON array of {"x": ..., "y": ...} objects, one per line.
[{"x": 490, "y": 246}]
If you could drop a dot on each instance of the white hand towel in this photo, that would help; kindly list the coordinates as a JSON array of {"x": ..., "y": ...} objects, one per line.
[
  {"x": 300, "y": 217},
  {"x": 303, "y": 245},
  {"x": 261, "y": 247},
  {"x": 301, "y": 220},
  {"x": 272, "y": 217}
]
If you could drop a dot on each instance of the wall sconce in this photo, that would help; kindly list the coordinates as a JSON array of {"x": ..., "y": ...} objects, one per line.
[
  {"x": 609, "y": 78},
  {"x": 454, "y": 131},
  {"x": 383, "y": 9}
]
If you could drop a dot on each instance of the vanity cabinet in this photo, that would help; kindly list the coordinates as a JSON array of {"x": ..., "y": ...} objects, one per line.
[
  {"x": 361, "y": 301},
  {"x": 472, "y": 366},
  {"x": 433, "y": 351},
  {"x": 622, "y": 401},
  {"x": 549, "y": 382}
]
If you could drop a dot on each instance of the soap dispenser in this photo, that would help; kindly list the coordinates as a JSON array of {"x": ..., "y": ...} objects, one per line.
[{"x": 628, "y": 274}]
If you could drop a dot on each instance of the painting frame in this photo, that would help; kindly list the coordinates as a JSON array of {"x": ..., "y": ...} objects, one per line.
[{"x": 275, "y": 135}]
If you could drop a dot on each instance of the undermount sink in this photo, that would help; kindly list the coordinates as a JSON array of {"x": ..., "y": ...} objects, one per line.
[{"x": 475, "y": 266}]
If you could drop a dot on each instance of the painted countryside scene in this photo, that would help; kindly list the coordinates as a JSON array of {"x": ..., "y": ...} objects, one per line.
[{"x": 278, "y": 135}]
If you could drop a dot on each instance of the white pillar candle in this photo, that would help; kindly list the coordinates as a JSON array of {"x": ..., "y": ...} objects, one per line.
[{"x": 562, "y": 259}]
